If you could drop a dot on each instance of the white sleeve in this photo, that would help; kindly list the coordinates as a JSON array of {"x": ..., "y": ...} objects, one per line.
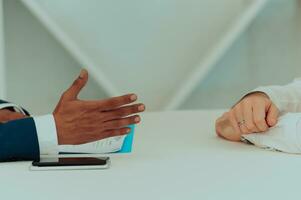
[
  {"x": 287, "y": 98},
  {"x": 47, "y": 135}
]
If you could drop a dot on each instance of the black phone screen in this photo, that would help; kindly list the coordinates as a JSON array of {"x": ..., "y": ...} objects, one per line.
[{"x": 70, "y": 161}]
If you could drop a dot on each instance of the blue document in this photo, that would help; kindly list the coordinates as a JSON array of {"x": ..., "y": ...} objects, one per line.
[
  {"x": 128, "y": 141},
  {"x": 117, "y": 144}
]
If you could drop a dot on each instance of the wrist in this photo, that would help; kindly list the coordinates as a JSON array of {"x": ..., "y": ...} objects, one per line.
[{"x": 46, "y": 132}]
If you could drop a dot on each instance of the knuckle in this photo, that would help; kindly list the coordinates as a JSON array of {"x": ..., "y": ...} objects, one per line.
[
  {"x": 117, "y": 132},
  {"x": 76, "y": 82},
  {"x": 120, "y": 123},
  {"x": 111, "y": 124},
  {"x": 113, "y": 102},
  {"x": 123, "y": 131},
  {"x": 123, "y": 122},
  {"x": 64, "y": 94},
  {"x": 120, "y": 132},
  {"x": 135, "y": 109},
  {"x": 113, "y": 132},
  {"x": 122, "y": 112},
  {"x": 75, "y": 85},
  {"x": 127, "y": 99},
  {"x": 130, "y": 121},
  {"x": 259, "y": 101},
  {"x": 123, "y": 99},
  {"x": 245, "y": 102},
  {"x": 105, "y": 126}
]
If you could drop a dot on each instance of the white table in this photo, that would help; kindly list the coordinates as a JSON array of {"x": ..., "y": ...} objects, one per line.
[{"x": 176, "y": 156}]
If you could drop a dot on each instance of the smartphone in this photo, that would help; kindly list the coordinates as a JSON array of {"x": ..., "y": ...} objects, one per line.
[{"x": 71, "y": 163}]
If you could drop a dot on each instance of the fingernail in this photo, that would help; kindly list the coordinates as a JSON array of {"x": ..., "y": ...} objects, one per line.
[
  {"x": 137, "y": 119},
  {"x": 82, "y": 73},
  {"x": 133, "y": 97},
  {"x": 141, "y": 107},
  {"x": 128, "y": 130}
]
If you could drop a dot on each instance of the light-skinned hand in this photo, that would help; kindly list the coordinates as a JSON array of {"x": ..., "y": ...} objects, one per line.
[{"x": 254, "y": 113}]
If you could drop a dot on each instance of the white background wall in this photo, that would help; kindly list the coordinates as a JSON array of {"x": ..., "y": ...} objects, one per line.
[
  {"x": 267, "y": 53},
  {"x": 39, "y": 68},
  {"x": 2, "y": 61},
  {"x": 141, "y": 45}
]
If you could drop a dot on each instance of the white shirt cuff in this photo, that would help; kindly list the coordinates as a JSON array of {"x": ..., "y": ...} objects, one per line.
[{"x": 47, "y": 136}]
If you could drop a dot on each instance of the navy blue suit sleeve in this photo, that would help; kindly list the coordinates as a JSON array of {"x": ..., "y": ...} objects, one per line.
[{"x": 19, "y": 140}]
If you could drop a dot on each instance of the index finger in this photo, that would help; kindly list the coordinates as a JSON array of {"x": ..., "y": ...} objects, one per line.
[
  {"x": 228, "y": 128},
  {"x": 111, "y": 103}
]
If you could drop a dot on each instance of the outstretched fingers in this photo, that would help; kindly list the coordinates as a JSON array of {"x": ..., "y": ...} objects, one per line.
[
  {"x": 116, "y": 132},
  {"x": 124, "y": 111},
  {"x": 119, "y": 123},
  {"x": 106, "y": 134},
  {"x": 111, "y": 103}
]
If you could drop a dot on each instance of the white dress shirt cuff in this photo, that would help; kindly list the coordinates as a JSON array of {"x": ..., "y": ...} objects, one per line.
[{"x": 47, "y": 136}]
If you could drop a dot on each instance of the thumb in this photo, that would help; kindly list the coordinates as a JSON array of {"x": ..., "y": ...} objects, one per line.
[
  {"x": 77, "y": 85},
  {"x": 272, "y": 115}
]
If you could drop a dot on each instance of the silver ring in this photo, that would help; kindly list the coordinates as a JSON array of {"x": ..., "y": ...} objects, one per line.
[{"x": 242, "y": 122}]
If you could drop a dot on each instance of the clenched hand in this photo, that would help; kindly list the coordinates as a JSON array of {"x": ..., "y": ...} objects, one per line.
[
  {"x": 80, "y": 121},
  {"x": 254, "y": 113}
]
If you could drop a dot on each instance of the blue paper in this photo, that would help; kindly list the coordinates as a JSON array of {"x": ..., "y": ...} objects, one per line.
[{"x": 128, "y": 141}]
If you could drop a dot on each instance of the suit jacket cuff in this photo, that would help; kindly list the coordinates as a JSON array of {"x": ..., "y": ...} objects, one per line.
[{"x": 47, "y": 135}]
